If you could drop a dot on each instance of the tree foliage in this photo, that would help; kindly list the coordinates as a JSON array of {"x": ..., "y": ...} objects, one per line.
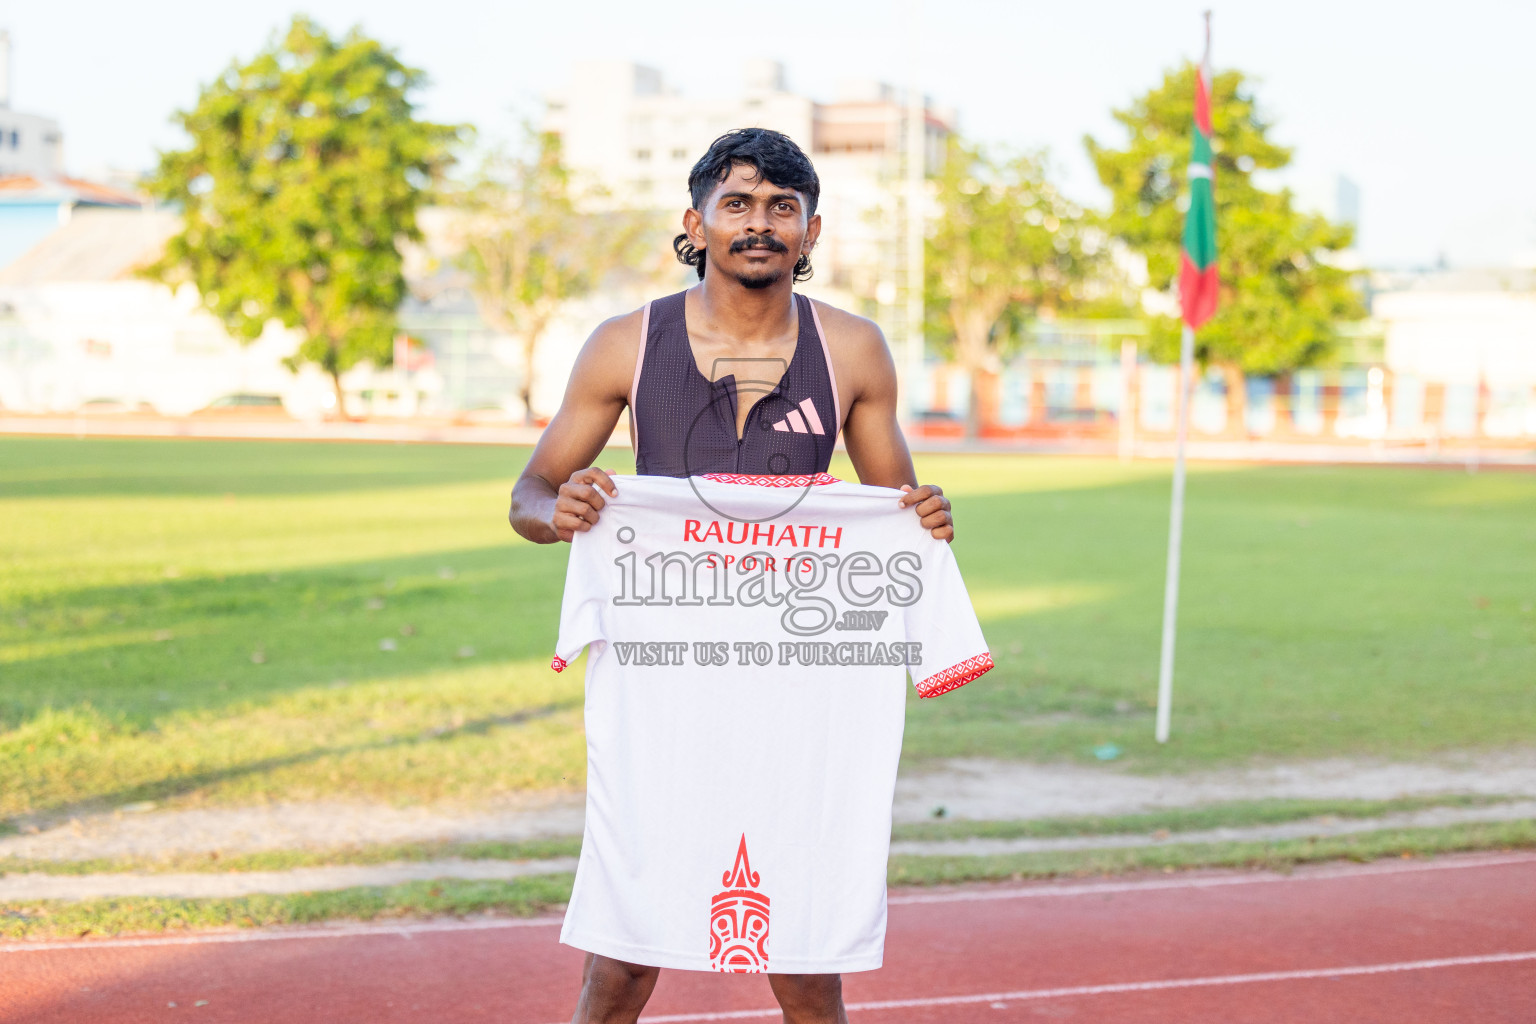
[
  {"x": 533, "y": 241},
  {"x": 304, "y": 174},
  {"x": 1281, "y": 293},
  {"x": 1005, "y": 244}
]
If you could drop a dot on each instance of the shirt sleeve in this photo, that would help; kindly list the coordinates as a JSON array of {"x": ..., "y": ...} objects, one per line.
[
  {"x": 941, "y": 620},
  {"x": 584, "y": 600}
]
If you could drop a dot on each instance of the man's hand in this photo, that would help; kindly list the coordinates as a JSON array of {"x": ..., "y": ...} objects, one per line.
[
  {"x": 932, "y": 509},
  {"x": 579, "y": 500}
]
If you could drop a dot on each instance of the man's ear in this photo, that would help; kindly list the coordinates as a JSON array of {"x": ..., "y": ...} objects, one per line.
[
  {"x": 693, "y": 227},
  {"x": 812, "y": 232}
]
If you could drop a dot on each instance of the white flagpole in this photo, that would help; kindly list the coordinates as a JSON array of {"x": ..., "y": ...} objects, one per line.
[
  {"x": 1176, "y": 513},
  {"x": 1175, "y": 538},
  {"x": 916, "y": 148}
]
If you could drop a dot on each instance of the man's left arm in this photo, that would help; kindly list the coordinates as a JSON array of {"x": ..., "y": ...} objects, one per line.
[{"x": 875, "y": 443}]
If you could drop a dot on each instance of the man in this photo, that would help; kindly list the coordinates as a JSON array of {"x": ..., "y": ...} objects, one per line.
[{"x": 738, "y": 374}]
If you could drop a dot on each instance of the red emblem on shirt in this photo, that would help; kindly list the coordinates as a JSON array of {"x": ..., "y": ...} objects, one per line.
[{"x": 738, "y": 921}]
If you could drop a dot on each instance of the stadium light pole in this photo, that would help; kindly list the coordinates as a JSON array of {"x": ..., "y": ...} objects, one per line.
[{"x": 915, "y": 146}]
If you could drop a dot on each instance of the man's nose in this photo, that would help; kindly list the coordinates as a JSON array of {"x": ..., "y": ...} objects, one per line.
[{"x": 757, "y": 222}]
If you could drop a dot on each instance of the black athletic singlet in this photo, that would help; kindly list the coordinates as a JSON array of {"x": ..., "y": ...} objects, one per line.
[{"x": 685, "y": 424}]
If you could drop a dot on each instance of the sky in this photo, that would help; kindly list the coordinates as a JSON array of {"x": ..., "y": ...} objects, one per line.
[{"x": 1427, "y": 107}]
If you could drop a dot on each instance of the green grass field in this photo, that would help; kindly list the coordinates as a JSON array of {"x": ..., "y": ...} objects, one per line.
[{"x": 188, "y": 621}]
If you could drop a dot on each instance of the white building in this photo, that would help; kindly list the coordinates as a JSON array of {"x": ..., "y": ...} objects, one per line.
[
  {"x": 623, "y": 128},
  {"x": 78, "y": 324},
  {"x": 29, "y": 144}
]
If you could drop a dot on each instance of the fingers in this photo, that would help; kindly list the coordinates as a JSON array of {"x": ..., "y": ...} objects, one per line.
[
  {"x": 932, "y": 508},
  {"x": 583, "y": 494},
  {"x": 573, "y": 508},
  {"x": 579, "y": 500},
  {"x": 937, "y": 503},
  {"x": 939, "y": 523},
  {"x": 569, "y": 524},
  {"x": 934, "y": 520},
  {"x": 593, "y": 475},
  {"x": 911, "y": 496},
  {"x": 928, "y": 508}
]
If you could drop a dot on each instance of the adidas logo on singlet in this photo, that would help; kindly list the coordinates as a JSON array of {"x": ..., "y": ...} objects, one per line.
[{"x": 810, "y": 423}]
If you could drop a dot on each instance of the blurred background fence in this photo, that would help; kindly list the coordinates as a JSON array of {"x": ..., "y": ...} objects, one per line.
[{"x": 1092, "y": 380}]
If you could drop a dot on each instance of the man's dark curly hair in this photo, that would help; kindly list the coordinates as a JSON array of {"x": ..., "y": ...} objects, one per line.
[{"x": 776, "y": 158}]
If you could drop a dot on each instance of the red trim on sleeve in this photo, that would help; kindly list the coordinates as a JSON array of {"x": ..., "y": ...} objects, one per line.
[
  {"x": 955, "y": 676},
  {"x": 558, "y": 663},
  {"x": 803, "y": 480}
]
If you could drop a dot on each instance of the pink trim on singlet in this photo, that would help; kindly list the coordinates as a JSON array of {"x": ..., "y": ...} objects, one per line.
[
  {"x": 634, "y": 385},
  {"x": 826, "y": 357}
]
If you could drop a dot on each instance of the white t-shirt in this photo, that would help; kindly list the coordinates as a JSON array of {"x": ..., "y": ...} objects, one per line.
[{"x": 749, "y": 639}]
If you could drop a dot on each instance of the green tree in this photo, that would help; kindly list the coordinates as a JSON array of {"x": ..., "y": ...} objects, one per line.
[
  {"x": 1005, "y": 245},
  {"x": 1282, "y": 294},
  {"x": 304, "y": 174},
  {"x": 533, "y": 241}
]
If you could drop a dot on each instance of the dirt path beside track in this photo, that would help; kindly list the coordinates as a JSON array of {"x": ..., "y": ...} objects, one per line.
[
  {"x": 965, "y": 789},
  {"x": 21, "y": 887}
]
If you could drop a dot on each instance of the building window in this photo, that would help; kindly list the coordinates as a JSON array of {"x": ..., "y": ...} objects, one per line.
[
  {"x": 679, "y": 154},
  {"x": 15, "y": 139},
  {"x": 642, "y": 154}
]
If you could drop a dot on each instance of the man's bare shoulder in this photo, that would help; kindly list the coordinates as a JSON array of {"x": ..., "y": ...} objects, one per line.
[
  {"x": 610, "y": 352},
  {"x": 852, "y": 334},
  {"x": 618, "y": 333}
]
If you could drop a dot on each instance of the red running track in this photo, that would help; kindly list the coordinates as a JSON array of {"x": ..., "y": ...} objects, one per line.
[{"x": 1450, "y": 940}]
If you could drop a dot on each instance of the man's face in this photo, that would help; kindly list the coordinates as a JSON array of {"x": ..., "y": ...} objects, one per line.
[{"x": 751, "y": 229}]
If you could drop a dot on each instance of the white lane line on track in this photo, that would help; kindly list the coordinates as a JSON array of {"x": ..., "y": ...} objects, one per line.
[
  {"x": 406, "y": 930},
  {"x": 403, "y": 930},
  {"x": 1128, "y": 986},
  {"x": 1206, "y": 882}
]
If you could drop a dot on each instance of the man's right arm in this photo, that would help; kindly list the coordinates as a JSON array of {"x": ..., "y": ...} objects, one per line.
[{"x": 560, "y": 493}]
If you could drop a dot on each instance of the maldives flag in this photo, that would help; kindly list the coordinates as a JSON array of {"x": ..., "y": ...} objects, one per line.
[{"x": 1197, "y": 264}]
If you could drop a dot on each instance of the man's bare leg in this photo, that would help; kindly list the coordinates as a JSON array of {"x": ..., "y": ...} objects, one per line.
[
  {"x": 612, "y": 991},
  {"x": 810, "y": 998}
]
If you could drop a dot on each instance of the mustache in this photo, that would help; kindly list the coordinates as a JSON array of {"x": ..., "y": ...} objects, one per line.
[{"x": 758, "y": 242}]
